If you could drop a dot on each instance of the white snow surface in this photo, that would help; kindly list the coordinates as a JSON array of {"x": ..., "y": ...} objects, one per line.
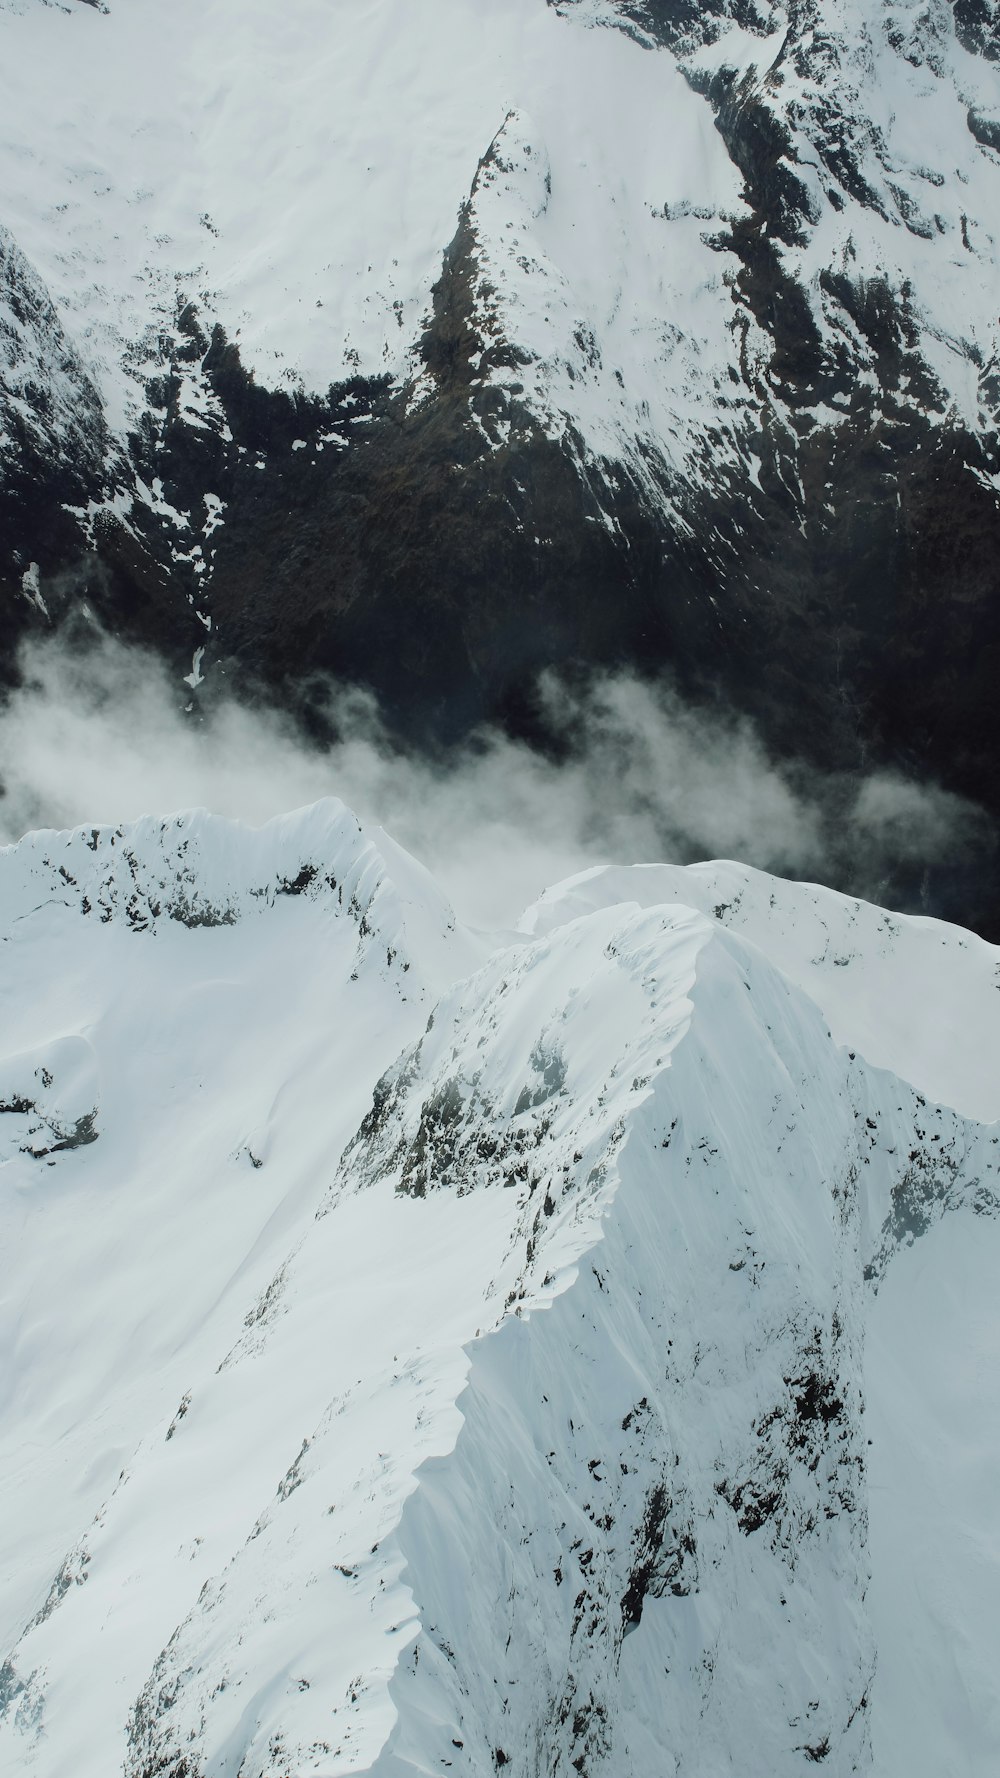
[
  {"x": 299, "y": 172},
  {"x": 549, "y": 1352},
  {"x": 914, "y": 995}
]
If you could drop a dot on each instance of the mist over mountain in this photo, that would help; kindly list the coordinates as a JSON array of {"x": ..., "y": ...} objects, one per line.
[
  {"x": 499, "y": 779},
  {"x": 95, "y": 732},
  {"x": 439, "y": 347}
]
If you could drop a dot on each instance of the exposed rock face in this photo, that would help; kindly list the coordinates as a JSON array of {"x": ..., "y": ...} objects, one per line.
[
  {"x": 708, "y": 379},
  {"x": 54, "y": 447}
]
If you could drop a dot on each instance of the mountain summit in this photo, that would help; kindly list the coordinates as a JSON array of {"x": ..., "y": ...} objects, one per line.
[{"x": 430, "y": 1352}]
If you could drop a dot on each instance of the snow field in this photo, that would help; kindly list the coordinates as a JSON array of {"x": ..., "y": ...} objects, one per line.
[
  {"x": 299, "y": 178},
  {"x": 441, "y": 1353}
]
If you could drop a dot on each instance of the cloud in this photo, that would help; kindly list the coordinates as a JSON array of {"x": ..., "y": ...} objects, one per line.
[{"x": 106, "y": 734}]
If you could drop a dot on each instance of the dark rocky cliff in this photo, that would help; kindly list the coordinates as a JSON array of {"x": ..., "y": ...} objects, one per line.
[{"x": 836, "y": 578}]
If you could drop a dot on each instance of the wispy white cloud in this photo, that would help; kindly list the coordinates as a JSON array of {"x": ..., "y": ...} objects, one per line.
[{"x": 105, "y": 736}]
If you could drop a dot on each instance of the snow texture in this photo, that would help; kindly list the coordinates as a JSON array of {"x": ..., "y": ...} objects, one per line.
[
  {"x": 601, "y": 198},
  {"x": 571, "y": 1351}
]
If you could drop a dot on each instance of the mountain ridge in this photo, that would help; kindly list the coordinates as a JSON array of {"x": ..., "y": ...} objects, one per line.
[
  {"x": 443, "y": 1450},
  {"x": 728, "y": 408}
]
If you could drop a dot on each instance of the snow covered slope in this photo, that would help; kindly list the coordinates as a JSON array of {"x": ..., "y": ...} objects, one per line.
[
  {"x": 435, "y": 342},
  {"x": 423, "y": 1353},
  {"x": 315, "y": 241}
]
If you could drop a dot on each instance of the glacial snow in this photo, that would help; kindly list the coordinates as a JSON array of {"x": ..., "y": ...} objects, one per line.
[
  {"x": 462, "y": 1353},
  {"x": 299, "y": 174},
  {"x": 139, "y": 176}
]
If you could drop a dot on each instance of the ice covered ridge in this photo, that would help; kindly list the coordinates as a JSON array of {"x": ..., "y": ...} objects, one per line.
[{"x": 569, "y": 1351}]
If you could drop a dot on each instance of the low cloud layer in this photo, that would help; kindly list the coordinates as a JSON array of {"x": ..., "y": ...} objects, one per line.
[{"x": 105, "y": 737}]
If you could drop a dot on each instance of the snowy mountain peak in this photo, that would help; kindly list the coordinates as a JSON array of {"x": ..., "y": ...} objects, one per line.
[
  {"x": 433, "y": 347},
  {"x": 492, "y": 1369},
  {"x": 199, "y": 870}
]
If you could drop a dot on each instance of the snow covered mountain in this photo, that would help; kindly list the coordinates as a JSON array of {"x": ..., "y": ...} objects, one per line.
[
  {"x": 433, "y": 342},
  {"x": 569, "y": 1350}
]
